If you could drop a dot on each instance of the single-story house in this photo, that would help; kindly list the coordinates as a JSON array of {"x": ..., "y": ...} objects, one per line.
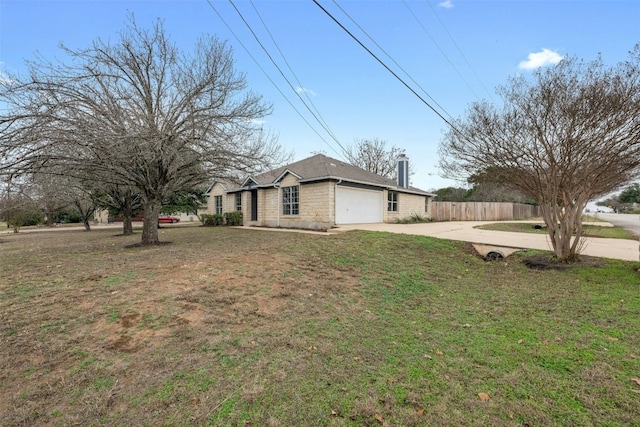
[{"x": 320, "y": 193}]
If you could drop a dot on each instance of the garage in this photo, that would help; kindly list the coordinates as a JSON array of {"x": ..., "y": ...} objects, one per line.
[{"x": 358, "y": 205}]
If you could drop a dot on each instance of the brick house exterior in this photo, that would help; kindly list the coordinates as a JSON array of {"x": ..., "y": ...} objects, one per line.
[{"x": 318, "y": 193}]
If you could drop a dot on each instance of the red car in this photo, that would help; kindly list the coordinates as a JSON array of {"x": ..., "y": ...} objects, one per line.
[{"x": 168, "y": 219}]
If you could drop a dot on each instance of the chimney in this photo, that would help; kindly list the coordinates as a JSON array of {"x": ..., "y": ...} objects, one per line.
[{"x": 403, "y": 171}]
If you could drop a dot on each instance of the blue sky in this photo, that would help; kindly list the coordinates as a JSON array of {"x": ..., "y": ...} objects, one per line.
[{"x": 451, "y": 52}]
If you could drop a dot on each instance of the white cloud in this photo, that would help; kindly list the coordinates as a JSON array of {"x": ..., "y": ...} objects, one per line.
[
  {"x": 307, "y": 91},
  {"x": 447, "y": 4},
  {"x": 540, "y": 59}
]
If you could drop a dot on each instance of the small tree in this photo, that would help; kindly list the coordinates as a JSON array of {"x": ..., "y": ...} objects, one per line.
[
  {"x": 569, "y": 135},
  {"x": 119, "y": 200},
  {"x": 50, "y": 192},
  {"x": 188, "y": 201},
  {"x": 18, "y": 207}
]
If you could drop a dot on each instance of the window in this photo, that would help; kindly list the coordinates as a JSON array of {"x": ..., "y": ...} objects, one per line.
[
  {"x": 218, "y": 204},
  {"x": 392, "y": 201},
  {"x": 290, "y": 198},
  {"x": 238, "y": 201},
  {"x": 426, "y": 204}
]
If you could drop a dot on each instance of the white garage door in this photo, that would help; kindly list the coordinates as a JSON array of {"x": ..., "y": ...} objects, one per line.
[{"x": 358, "y": 206}]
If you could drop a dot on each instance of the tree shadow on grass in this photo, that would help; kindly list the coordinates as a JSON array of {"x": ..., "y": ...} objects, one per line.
[{"x": 141, "y": 245}]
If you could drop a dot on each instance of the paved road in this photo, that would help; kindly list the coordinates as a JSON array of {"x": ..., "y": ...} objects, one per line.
[{"x": 629, "y": 222}]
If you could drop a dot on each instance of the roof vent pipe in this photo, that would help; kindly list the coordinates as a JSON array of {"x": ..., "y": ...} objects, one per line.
[{"x": 403, "y": 171}]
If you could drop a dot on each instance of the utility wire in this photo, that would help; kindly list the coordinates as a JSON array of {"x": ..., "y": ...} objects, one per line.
[
  {"x": 286, "y": 78},
  {"x": 386, "y": 66},
  {"x": 391, "y": 58},
  {"x": 459, "y": 50},
  {"x": 300, "y": 85},
  {"x": 440, "y": 49},
  {"x": 269, "y": 78}
]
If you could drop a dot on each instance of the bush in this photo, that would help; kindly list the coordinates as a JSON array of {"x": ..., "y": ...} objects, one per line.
[
  {"x": 23, "y": 216},
  {"x": 228, "y": 218},
  {"x": 66, "y": 217},
  {"x": 211, "y": 220},
  {"x": 30, "y": 219},
  {"x": 233, "y": 218},
  {"x": 414, "y": 218}
]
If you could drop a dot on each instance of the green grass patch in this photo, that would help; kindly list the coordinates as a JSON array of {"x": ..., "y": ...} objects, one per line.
[{"x": 119, "y": 279}]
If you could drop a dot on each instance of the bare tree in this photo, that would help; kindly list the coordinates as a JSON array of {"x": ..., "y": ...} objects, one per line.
[
  {"x": 18, "y": 206},
  {"x": 137, "y": 113},
  {"x": 50, "y": 192},
  {"x": 83, "y": 204},
  {"x": 372, "y": 155},
  {"x": 568, "y": 135}
]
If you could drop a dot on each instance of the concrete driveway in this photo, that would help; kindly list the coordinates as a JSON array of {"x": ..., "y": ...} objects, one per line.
[{"x": 628, "y": 250}]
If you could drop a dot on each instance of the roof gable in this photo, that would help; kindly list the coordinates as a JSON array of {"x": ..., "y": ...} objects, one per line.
[
  {"x": 249, "y": 182},
  {"x": 284, "y": 173}
]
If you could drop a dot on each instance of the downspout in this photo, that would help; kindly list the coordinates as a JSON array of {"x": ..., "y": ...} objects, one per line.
[{"x": 335, "y": 200}]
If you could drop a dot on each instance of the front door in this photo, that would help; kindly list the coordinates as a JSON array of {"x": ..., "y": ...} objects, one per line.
[{"x": 254, "y": 205}]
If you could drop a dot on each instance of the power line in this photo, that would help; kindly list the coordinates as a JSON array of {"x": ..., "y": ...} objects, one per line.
[
  {"x": 391, "y": 58},
  {"x": 285, "y": 77},
  {"x": 385, "y": 66},
  {"x": 323, "y": 121},
  {"x": 459, "y": 50},
  {"x": 440, "y": 49},
  {"x": 269, "y": 78}
]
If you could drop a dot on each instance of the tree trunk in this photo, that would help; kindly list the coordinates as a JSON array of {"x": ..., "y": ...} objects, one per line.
[
  {"x": 564, "y": 225},
  {"x": 49, "y": 213},
  {"x": 127, "y": 214},
  {"x": 127, "y": 226},
  {"x": 150, "y": 225},
  {"x": 86, "y": 213}
]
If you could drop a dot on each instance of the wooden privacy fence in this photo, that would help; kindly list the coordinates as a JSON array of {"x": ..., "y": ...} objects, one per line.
[{"x": 481, "y": 211}]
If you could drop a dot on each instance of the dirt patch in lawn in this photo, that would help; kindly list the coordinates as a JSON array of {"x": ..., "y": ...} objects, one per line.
[{"x": 548, "y": 262}]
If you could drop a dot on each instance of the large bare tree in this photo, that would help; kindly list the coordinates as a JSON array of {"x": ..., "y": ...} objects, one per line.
[
  {"x": 564, "y": 136},
  {"x": 374, "y": 156},
  {"x": 138, "y": 113}
]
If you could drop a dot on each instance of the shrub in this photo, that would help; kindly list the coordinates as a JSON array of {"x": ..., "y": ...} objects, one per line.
[
  {"x": 23, "y": 215},
  {"x": 233, "y": 218},
  {"x": 211, "y": 220},
  {"x": 66, "y": 217},
  {"x": 414, "y": 218},
  {"x": 228, "y": 218}
]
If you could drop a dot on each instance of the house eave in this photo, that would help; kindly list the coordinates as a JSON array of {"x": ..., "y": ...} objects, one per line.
[{"x": 371, "y": 184}]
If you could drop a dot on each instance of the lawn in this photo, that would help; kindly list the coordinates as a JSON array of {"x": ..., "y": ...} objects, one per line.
[
  {"x": 588, "y": 230},
  {"x": 231, "y": 327}
]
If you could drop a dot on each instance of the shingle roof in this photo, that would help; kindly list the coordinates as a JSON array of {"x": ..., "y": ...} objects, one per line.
[{"x": 320, "y": 167}]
